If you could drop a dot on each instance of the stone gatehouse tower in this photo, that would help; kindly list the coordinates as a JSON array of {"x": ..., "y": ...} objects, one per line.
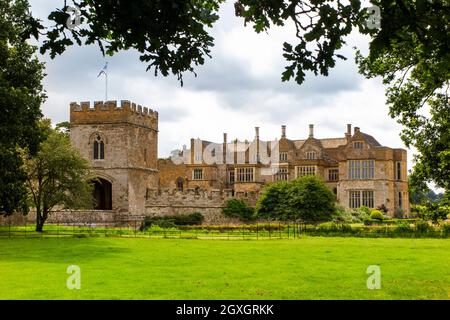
[{"x": 121, "y": 142}]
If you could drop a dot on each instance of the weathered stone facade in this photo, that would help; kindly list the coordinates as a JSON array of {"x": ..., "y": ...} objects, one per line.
[
  {"x": 378, "y": 175},
  {"x": 121, "y": 143},
  {"x": 209, "y": 203}
]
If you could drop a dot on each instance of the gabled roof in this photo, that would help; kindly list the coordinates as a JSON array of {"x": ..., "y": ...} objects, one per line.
[
  {"x": 298, "y": 143},
  {"x": 370, "y": 140},
  {"x": 288, "y": 142},
  {"x": 329, "y": 143}
]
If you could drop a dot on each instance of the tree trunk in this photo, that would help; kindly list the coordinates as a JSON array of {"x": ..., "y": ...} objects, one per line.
[
  {"x": 40, "y": 220},
  {"x": 39, "y": 226}
]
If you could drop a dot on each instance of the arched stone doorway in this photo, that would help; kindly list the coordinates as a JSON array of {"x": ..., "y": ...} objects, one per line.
[
  {"x": 102, "y": 194},
  {"x": 179, "y": 184}
]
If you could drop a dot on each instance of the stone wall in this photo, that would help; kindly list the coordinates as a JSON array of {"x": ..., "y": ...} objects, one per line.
[
  {"x": 210, "y": 204},
  {"x": 71, "y": 217}
]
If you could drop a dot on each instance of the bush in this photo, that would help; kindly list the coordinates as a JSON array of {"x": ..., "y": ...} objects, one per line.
[
  {"x": 418, "y": 210},
  {"x": 446, "y": 229},
  {"x": 434, "y": 213},
  {"x": 310, "y": 199},
  {"x": 383, "y": 209},
  {"x": 403, "y": 228},
  {"x": 399, "y": 213},
  {"x": 306, "y": 198},
  {"x": 343, "y": 215},
  {"x": 237, "y": 208},
  {"x": 376, "y": 214},
  {"x": 273, "y": 201},
  {"x": 346, "y": 228},
  {"x": 351, "y": 216},
  {"x": 194, "y": 218},
  {"x": 423, "y": 227},
  {"x": 363, "y": 213},
  {"x": 363, "y": 210},
  {"x": 173, "y": 221}
]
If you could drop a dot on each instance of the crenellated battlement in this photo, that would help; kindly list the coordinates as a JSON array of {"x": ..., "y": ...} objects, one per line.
[{"x": 111, "y": 112}]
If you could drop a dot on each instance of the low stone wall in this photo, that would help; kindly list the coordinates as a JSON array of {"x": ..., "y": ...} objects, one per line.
[
  {"x": 213, "y": 215},
  {"x": 71, "y": 217},
  {"x": 158, "y": 203},
  {"x": 210, "y": 204}
]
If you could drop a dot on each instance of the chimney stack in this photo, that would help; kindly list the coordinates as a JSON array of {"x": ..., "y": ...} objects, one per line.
[
  {"x": 348, "y": 134},
  {"x": 257, "y": 133},
  {"x": 311, "y": 130},
  {"x": 356, "y": 130},
  {"x": 224, "y": 147},
  {"x": 283, "y": 131}
]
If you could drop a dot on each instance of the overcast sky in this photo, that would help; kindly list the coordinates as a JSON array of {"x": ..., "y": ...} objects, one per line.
[{"x": 236, "y": 90}]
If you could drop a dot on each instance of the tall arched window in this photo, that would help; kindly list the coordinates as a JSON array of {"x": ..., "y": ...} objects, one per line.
[{"x": 99, "y": 148}]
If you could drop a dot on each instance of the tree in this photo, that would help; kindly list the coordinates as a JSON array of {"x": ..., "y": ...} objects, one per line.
[
  {"x": 63, "y": 127},
  {"x": 415, "y": 67},
  {"x": 409, "y": 49},
  {"x": 170, "y": 35},
  {"x": 311, "y": 200},
  {"x": 435, "y": 212},
  {"x": 273, "y": 201},
  {"x": 306, "y": 198},
  {"x": 238, "y": 209},
  {"x": 420, "y": 193},
  {"x": 57, "y": 176},
  {"x": 21, "y": 95}
]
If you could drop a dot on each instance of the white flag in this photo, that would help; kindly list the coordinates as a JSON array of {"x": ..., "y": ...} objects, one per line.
[{"x": 104, "y": 70}]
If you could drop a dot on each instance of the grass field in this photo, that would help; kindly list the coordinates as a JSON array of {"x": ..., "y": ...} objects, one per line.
[{"x": 305, "y": 268}]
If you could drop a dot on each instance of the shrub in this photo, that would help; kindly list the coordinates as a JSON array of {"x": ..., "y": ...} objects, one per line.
[
  {"x": 403, "y": 228},
  {"x": 363, "y": 213},
  {"x": 434, "y": 213},
  {"x": 376, "y": 214},
  {"x": 310, "y": 199},
  {"x": 351, "y": 216},
  {"x": 273, "y": 201},
  {"x": 363, "y": 210},
  {"x": 446, "y": 229},
  {"x": 307, "y": 198},
  {"x": 194, "y": 218},
  {"x": 399, "y": 213},
  {"x": 418, "y": 210},
  {"x": 172, "y": 221},
  {"x": 237, "y": 208},
  {"x": 423, "y": 227},
  {"x": 346, "y": 228},
  {"x": 383, "y": 208},
  {"x": 343, "y": 215}
]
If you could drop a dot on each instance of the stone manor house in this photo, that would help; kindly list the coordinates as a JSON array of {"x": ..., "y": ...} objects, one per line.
[{"x": 121, "y": 142}]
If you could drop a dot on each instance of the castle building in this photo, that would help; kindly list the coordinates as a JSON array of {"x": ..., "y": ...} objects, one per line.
[{"x": 121, "y": 143}]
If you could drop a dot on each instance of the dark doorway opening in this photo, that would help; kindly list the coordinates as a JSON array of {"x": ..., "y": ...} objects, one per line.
[
  {"x": 102, "y": 194},
  {"x": 180, "y": 184}
]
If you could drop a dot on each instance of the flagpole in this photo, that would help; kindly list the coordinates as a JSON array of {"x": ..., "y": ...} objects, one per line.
[
  {"x": 106, "y": 89},
  {"x": 105, "y": 72}
]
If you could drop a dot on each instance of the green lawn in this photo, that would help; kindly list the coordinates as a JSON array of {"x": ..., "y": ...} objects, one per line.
[{"x": 306, "y": 268}]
